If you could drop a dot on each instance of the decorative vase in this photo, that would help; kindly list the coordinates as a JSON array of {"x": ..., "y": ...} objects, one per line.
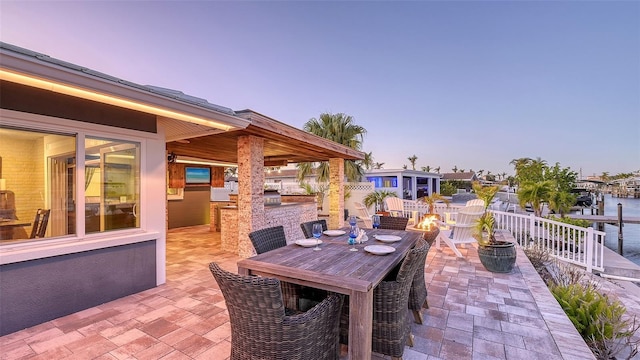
[{"x": 498, "y": 257}]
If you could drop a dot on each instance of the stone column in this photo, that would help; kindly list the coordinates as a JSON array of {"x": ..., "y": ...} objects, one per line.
[
  {"x": 250, "y": 191},
  {"x": 336, "y": 193}
]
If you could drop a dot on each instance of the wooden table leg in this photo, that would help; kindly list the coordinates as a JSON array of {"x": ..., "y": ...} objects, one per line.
[{"x": 360, "y": 324}]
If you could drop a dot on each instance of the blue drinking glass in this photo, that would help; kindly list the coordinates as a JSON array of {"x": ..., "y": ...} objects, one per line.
[
  {"x": 353, "y": 234},
  {"x": 353, "y": 220},
  {"x": 317, "y": 232},
  {"x": 376, "y": 221}
]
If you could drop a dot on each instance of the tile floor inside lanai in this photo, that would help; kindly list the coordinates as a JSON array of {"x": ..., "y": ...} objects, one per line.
[{"x": 474, "y": 314}]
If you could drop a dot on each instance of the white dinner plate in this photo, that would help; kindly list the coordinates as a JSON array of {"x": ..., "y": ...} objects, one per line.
[
  {"x": 334, "y": 232},
  {"x": 308, "y": 242},
  {"x": 388, "y": 238},
  {"x": 379, "y": 249}
]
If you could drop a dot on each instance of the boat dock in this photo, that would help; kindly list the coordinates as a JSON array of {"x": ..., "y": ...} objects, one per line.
[{"x": 608, "y": 219}]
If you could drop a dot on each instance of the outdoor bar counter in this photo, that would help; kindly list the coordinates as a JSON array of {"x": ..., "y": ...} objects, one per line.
[{"x": 293, "y": 210}]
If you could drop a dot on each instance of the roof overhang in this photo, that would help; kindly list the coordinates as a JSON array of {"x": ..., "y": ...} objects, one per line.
[
  {"x": 283, "y": 144},
  {"x": 20, "y": 66}
]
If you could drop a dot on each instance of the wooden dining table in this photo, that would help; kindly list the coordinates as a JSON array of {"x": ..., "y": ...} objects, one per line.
[
  {"x": 336, "y": 268},
  {"x": 7, "y": 226}
]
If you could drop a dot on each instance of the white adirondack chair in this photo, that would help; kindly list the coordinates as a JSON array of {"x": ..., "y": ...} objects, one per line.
[
  {"x": 395, "y": 206},
  {"x": 462, "y": 231},
  {"x": 363, "y": 214},
  {"x": 452, "y": 217},
  {"x": 474, "y": 202}
]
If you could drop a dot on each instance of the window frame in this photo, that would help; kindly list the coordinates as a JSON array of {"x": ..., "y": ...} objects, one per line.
[{"x": 80, "y": 241}]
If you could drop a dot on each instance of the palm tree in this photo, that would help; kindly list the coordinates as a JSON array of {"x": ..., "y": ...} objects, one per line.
[
  {"x": 377, "y": 198},
  {"x": 378, "y": 165},
  {"x": 437, "y": 170},
  {"x": 455, "y": 168},
  {"x": 412, "y": 159},
  {"x": 367, "y": 162},
  {"x": 339, "y": 128},
  {"x": 480, "y": 172},
  {"x": 535, "y": 193},
  {"x": 561, "y": 202},
  {"x": 404, "y": 167},
  {"x": 426, "y": 168}
]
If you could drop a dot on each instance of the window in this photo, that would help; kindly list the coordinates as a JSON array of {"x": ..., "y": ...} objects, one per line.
[
  {"x": 112, "y": 184},
  {"x": 383, "y": 181},
  {"x": 37, "y": 169}
]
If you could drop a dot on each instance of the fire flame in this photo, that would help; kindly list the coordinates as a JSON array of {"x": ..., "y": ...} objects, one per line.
[{"x": 428, "y": 223}]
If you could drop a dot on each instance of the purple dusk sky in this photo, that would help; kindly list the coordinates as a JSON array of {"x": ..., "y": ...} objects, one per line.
[{"x": 467, "y": 84}]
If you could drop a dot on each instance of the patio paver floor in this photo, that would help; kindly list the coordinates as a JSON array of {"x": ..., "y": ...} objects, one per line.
[{"x": 473, "y": 314}]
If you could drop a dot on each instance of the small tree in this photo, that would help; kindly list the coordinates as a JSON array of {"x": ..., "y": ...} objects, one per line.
[
  {"x": 536, "y": 194},
  {"x": 377, "y": 198}
]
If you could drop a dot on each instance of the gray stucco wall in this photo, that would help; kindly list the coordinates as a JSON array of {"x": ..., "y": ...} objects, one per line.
[{"x": 36, "y": 291}]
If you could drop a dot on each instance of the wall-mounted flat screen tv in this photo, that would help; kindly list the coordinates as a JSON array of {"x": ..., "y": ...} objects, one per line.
[{"x": 197, "y": 175}]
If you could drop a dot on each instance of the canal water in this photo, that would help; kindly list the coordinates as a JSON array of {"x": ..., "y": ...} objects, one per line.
[{"x": 630, "y": 232}]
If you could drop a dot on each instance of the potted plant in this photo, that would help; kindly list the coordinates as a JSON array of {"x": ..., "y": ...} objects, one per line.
[
  {"x": 495, "y": 256},
  {"x": 431, "y": 200}
]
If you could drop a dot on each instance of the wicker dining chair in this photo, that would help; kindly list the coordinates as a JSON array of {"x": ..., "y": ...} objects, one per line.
[
  {"x": 393, "y": 222},
  {"x": 296, "y": 296},
  {"x": 261, "y": 327},
  {"x": 268, "y": 239},
  {"x": 391, "y": 328},
  {"x": 418, "y": 290},
  {"x": 307, "y": 227},
  {"x": 272, "y": 238}
]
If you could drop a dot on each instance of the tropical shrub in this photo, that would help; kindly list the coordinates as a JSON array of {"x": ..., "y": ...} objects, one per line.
[
  {"x": 599, "y": 320},
  {"x": 577, "y": 222},
  {"x": 447, "y": 188}
]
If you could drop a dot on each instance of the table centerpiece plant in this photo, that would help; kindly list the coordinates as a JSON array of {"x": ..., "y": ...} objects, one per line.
[{"x": 495, "y": 255}]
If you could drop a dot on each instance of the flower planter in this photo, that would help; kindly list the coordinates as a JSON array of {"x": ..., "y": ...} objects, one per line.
[{"x": 498, "y": 257}]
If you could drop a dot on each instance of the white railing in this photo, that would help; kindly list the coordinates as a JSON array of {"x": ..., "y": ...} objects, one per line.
[
  {"x": 574, "y": 244},
  {"x": 571, "y": 243}
]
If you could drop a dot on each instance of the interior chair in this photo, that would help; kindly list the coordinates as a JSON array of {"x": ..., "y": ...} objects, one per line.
[
  {"x": 461, "y": 232},
  {"x": 418, "y": 290},
  {"x": 363, "y": 214},
  {"x": 40, "y": 223},
  {"x": 307, "y": 227},
  {"x": 393, "y": 223},
  {"x": 395, "y": 206},
  {"x": 391, "y": 323},
  {"x": 262, "y": 327}
]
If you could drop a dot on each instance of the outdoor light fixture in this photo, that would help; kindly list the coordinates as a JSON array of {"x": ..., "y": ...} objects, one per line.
[
  {"x": 186, "y": 160},
  {"x": 107, "y": 99}
]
